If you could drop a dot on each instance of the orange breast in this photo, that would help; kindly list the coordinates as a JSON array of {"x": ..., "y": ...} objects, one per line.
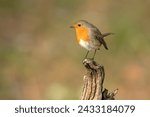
[{"x": 82, "y": 33}]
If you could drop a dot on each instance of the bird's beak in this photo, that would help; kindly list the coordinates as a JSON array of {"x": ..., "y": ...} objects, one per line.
[{"x": 72, "y": 27}]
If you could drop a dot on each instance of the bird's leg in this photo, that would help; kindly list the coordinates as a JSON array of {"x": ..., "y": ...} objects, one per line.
[
  {"x": 94, "y": 55},
  {"x": 86, "y": 55}
]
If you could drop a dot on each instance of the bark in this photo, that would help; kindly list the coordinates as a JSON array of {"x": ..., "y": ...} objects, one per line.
[{"x": 93, "y": 82}]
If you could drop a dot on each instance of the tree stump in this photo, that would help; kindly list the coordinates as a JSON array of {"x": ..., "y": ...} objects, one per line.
[{"x": 93, "y": 83}]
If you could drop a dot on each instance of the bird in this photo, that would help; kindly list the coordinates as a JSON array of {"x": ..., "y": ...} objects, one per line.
[{"x": 89, "y": 36}]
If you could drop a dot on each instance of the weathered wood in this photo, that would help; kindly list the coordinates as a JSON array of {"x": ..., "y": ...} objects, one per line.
[{"x": 93, "y": 83}]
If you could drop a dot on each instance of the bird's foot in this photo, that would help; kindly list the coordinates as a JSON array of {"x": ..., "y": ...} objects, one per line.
[{"x": 87, "y": 59}]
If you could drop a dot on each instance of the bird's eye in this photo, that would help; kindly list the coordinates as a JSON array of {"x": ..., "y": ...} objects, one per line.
[{"x": 79, "y": 25}]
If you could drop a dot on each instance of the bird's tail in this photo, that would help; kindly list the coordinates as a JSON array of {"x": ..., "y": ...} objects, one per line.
[{"x": 106, "y": 34}]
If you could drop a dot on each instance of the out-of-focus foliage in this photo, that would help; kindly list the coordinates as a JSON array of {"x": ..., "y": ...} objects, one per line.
[{"x": 40, "y": 58}]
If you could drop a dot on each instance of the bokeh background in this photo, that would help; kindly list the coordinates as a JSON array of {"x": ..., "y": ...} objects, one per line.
[{"x": 40, "y": 58}]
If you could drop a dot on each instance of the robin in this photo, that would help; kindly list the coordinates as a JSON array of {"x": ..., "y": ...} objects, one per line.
[{"x": 89, "y": 36}]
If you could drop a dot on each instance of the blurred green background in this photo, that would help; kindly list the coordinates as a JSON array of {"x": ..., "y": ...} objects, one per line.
[{"x": 40, "y": 58}]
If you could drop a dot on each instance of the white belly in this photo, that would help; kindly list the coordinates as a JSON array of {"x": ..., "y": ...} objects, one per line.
[
  {"x": 85, "y": 44},
  {"x": 89, "y": 45}
]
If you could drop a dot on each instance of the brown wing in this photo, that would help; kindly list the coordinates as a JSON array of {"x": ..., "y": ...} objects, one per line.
[
  {"x": 99, "y": 37},
  {"x": 103, "y": 42}
]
